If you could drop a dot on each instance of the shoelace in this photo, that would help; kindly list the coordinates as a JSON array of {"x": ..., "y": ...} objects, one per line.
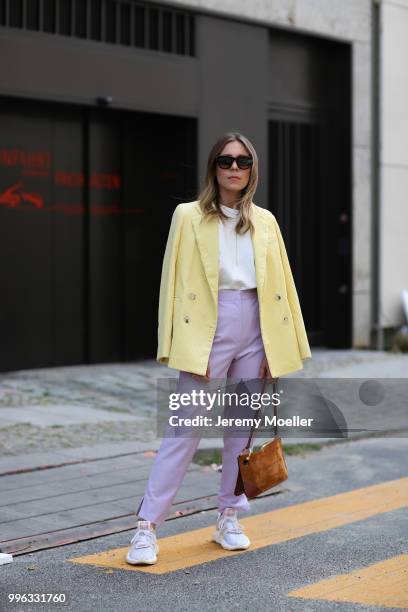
[
  {"x": 143, "y": 538},
  {"x": 230, "y": 525}
]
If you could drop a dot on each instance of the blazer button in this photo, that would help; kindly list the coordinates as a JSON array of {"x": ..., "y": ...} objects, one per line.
[
  {"x": 277, "y": 296},
  {"x": 187, "y": 319},
  {"x": 285, "y": 319},
  {"x": 192, "y": 296}
]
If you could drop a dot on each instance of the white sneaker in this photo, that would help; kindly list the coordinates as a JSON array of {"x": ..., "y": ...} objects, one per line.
[
  {"x": 144, "y": 547},
  {"x": 229, "y": 533}
]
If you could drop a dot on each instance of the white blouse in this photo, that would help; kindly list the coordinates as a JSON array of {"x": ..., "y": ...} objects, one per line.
[{"x": 236, "y": 256}]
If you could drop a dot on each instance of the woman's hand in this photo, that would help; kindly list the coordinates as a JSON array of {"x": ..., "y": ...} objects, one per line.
[
  {"x": 264, "y": 371},
  {"x": 202, "y": 377}
]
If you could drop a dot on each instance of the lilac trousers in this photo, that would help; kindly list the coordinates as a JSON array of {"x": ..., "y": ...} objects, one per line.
[{"x": 236, "y": 353}]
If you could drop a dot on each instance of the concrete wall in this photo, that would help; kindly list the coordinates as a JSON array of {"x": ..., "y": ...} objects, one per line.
[
  {"x": 234, "y": 96},
  {"x": 78, "y": 71},
  {"x": 346, "y": 20},
  {"x": 393, "y": 160}
]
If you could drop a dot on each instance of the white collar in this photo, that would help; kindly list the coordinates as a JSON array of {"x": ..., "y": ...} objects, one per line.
[{"x": 230, "y": 212}]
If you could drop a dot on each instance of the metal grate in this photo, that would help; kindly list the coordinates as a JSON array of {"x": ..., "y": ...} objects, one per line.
[{"x": 122, "y": 22}]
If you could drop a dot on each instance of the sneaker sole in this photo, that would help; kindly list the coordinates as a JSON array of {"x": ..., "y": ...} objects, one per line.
[
  {"x": 216, "y": 538},
  {"x": 152, "y": 562},
  {"x": 141, "y": 562}
]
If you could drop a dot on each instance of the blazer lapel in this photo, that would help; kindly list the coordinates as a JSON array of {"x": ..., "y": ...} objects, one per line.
[
  {"x": 207, "y": 237},
  {"x": 260, "y": 244},
  {"x": 206, "y": 233}
]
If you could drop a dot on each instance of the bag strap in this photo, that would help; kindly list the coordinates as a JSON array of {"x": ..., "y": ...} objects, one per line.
[{"x": 274, "y": 385}]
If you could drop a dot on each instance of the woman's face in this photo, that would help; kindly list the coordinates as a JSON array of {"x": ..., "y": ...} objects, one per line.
[{"x": 224, "y": 177}]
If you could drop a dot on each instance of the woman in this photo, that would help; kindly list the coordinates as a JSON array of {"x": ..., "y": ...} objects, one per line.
[{"x": 228, "y": 308}]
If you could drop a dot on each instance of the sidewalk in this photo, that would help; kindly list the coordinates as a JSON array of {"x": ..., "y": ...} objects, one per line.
[
  {"x": 335, "y": 531},
  {"x": 45, "y": 414}
]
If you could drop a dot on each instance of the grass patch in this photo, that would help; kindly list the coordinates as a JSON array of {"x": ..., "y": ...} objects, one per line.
[
  {"x": 301, "y": 448},
  {"x": 207, "y": 456},
  {"x": 115, "y": 409}
]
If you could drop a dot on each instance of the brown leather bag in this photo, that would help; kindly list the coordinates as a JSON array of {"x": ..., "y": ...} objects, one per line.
[{"x": 263, "y": 468}]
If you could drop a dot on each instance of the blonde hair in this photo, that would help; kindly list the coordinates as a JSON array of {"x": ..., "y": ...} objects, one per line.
[{"x": 208, "y": 197}]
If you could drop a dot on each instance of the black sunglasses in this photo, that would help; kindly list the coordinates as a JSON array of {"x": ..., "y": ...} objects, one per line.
[{"x": 225, "y": 161}]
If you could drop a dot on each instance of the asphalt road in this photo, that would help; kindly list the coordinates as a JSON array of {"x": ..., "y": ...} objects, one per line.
[{"x": 359, "y": 537}]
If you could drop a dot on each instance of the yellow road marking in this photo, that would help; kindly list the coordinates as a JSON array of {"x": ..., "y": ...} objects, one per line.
[
  {"x": 195, "y": 547},
  {"x": 383, "y": 584}
]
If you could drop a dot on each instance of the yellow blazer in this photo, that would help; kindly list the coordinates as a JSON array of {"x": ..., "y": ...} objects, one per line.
[{"x": 188, "y": 302}]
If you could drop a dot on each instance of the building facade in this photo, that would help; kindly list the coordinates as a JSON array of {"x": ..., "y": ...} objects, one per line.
[{"x": 108, "y": 109}]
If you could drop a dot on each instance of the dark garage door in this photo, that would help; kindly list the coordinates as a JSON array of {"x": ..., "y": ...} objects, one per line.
[{"x": 86, "y": 197}]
